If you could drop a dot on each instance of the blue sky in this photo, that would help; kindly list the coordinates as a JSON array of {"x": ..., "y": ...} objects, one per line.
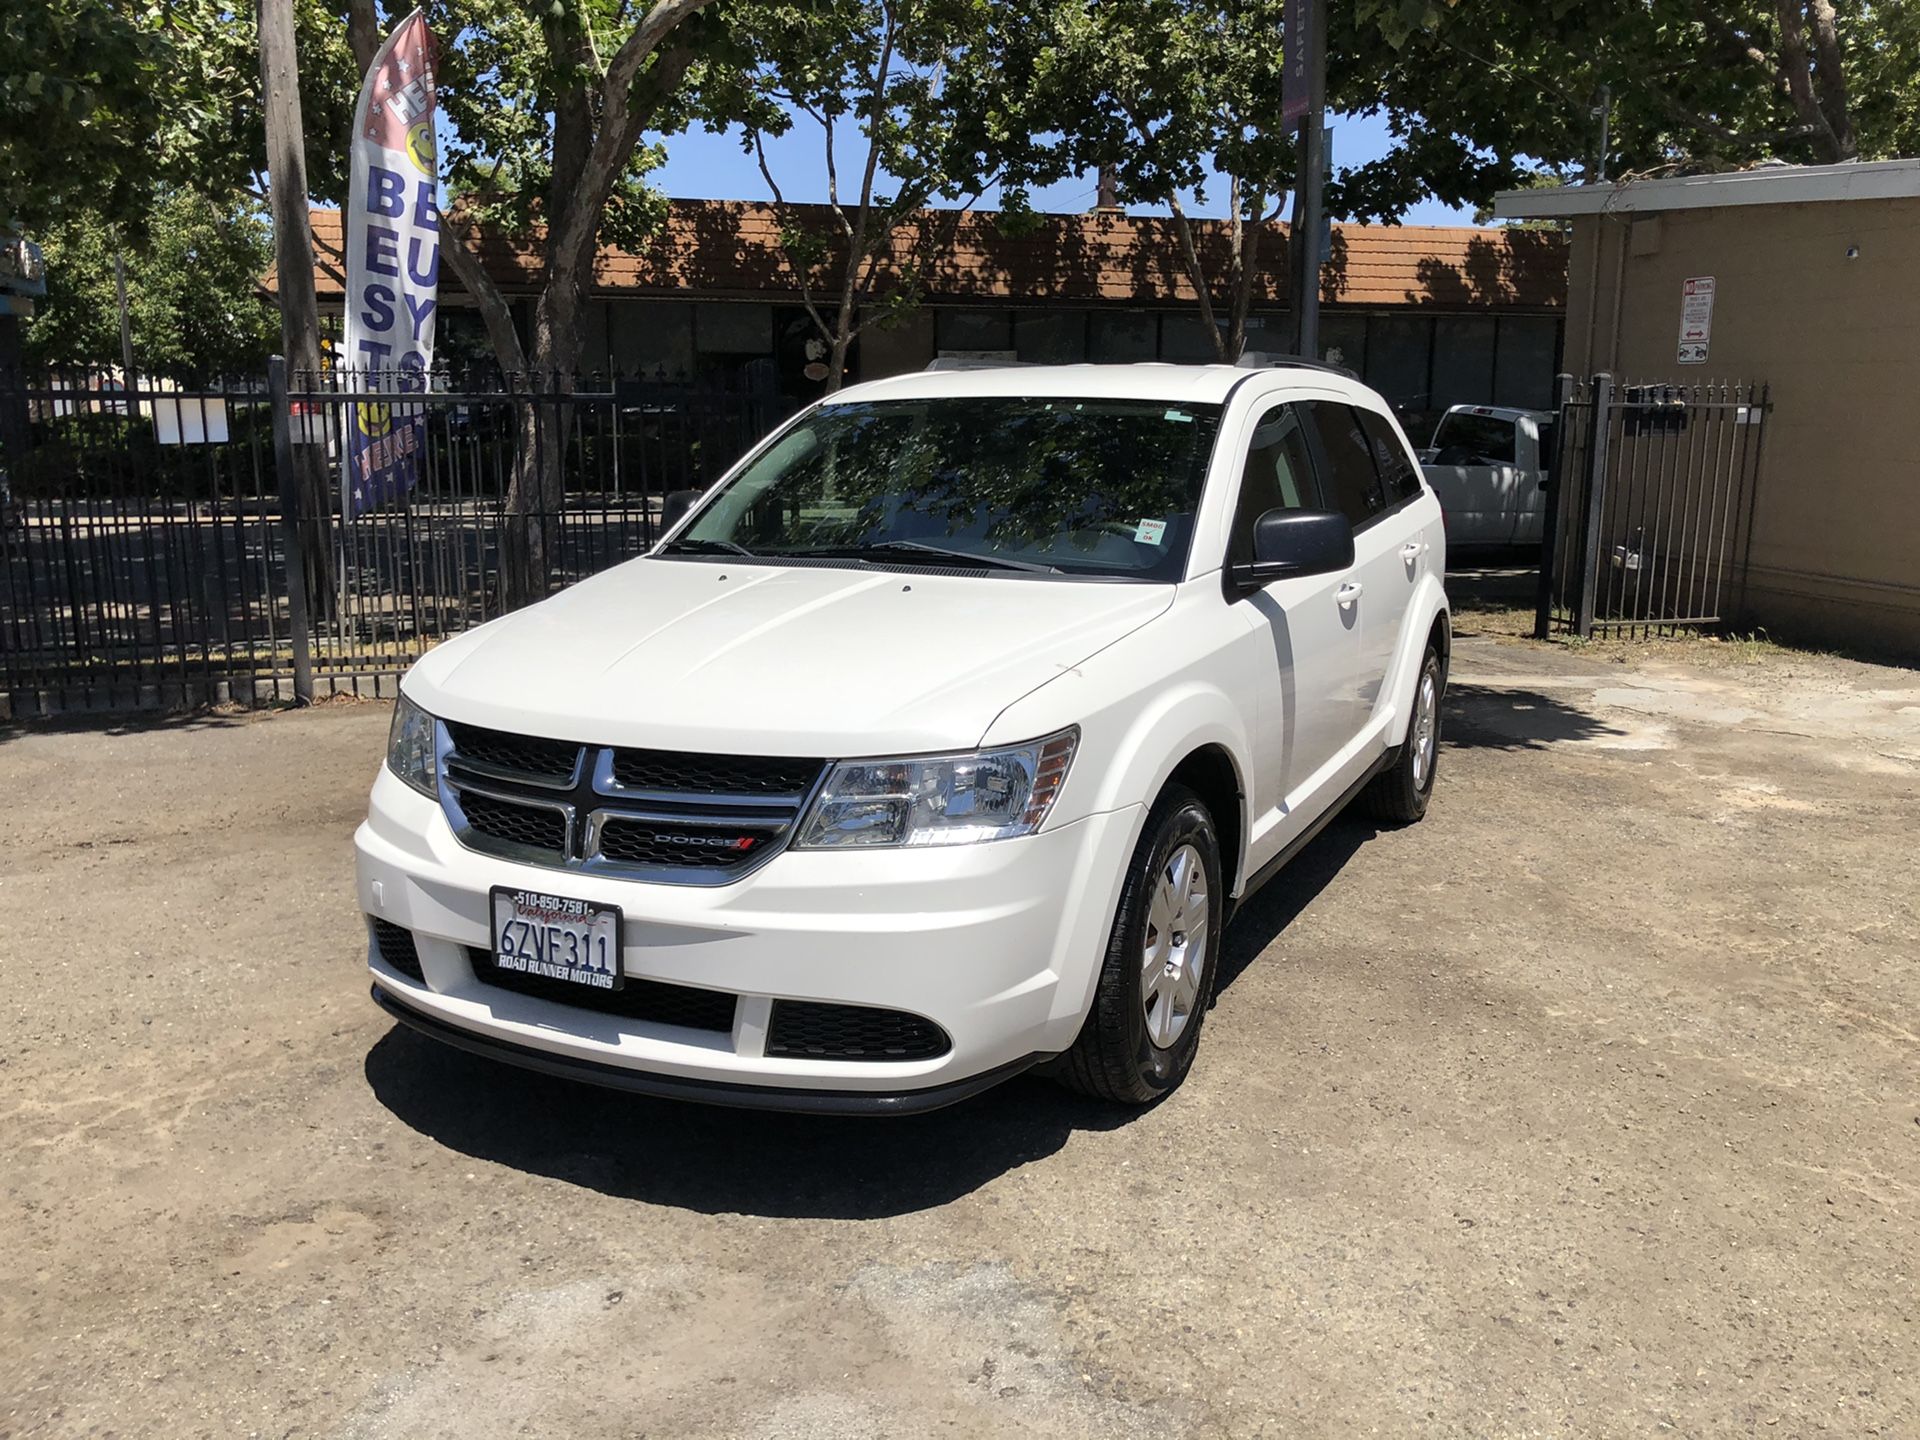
[{"x": 701, "y": 166}]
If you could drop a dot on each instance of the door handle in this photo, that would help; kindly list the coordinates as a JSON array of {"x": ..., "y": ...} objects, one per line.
[
  {"x": 1413, "y": 549},
  {"x": 1348, "y": 593}
]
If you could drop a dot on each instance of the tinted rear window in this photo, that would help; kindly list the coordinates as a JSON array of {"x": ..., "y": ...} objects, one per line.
[{"x": 1466, "y": 439}]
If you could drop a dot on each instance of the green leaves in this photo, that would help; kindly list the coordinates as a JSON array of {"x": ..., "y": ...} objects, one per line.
[{"x": 193, "y": 284}]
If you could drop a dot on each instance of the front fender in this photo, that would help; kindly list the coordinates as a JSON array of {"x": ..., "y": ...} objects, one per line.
[
  {"x": 1131, "y": 747},
  {"x": 1429, "y": 602}
]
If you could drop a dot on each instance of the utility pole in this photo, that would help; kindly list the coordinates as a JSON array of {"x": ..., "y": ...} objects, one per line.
[
  {"x": 127, "y": 382},
  {"x": 1307, "y": 32},
  {"x": 293, "y": 260}
]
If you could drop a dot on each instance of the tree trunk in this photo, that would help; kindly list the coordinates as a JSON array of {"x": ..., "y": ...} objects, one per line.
[
  {"x": 536, "y": 495},
  {"x": 1197, "y": 273},
  {"x": 1835, "y": 108},
  {"x": 1246, "y": 263},
  {"x": 837, "y": 361},
  {"x": 299, "y": 310}
]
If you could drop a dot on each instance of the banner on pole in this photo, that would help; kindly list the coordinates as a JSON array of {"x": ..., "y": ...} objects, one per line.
[
  {"x": 1296, "y": 72},
  {"x": 392, "y": 242}
]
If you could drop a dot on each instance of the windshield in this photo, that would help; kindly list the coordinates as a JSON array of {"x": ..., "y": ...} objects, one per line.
[
  {"x": 1076, "y": 487},
  {"x": 1468, "y": 439}
]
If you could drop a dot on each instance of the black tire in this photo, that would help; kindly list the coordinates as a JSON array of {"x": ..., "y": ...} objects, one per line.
[
  {"x": 1399, "y": 793},
  {"x": 1115, "y": 1057}
]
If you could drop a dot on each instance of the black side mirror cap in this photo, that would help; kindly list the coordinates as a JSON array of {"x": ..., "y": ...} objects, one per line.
[
  {"x": 1291, "y": 543},
  {"x": 675, "y": 505}
]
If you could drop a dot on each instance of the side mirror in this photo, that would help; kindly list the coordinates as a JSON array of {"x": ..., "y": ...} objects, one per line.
[
  {"x": 1289, "y": 543},
  {"x": 675, "y": 505}
]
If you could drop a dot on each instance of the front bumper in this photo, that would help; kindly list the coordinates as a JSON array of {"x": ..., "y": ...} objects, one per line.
[{"x": 999, "y": 944}]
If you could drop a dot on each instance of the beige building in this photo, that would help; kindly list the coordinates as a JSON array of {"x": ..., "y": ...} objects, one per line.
[{"x": 1814, "y": 289}]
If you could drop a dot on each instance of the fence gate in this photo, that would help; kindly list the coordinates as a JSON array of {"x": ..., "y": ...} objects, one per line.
[{"x": 1651, "y": 507}]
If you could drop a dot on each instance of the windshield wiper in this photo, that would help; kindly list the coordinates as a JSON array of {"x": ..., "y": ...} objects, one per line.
[
  {"x": 914, "y": 547},
  {"x": 708, "y": 547}
]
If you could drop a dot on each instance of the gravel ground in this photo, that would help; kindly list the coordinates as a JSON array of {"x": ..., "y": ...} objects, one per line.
[{"x": 1588, "y": 1106}]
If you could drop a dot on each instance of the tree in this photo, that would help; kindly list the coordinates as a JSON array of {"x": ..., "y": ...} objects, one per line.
[
  {"x": 935, "y": 93},
  {"x": 1158, "y": 89},
  {"x": 193, "y": 291},
  {"x": 1478, "y": 96},
  {"x": 547, "y": 106},
  {"x": 102, "y": 100}
]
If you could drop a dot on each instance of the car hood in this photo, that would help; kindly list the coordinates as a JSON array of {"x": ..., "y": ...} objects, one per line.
[{"x": 755, "y": 659}]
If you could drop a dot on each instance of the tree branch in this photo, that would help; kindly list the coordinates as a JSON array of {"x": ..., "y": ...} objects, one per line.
[
  {"x": 495, "y": 312},
  {"x": 363, "y": 33},
  {"x": 577, "y": 222},
  {"x": 781, "y": 211}
]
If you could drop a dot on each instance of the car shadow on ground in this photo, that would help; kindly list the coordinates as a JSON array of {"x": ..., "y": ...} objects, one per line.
[
  {"x": 715, "y": 1160},
  {"x": 1491, "y": 717},
  {"x": 1274, "y": 906},
  {"x": 124, "y": 722},
  {"x": 721, "y": 1161}
]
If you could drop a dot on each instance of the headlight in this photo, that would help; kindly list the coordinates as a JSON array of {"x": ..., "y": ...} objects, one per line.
[
  {"x": 410, "y": 747},
  {"x": 939, "y": 799}
]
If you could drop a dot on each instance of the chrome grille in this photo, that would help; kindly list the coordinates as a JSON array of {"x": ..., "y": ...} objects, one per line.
[{"x": 688, "y": 819}]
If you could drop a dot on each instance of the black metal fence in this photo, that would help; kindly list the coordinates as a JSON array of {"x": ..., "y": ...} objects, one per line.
[
  {"x": 145, "y": 537},
  {"x": 1650, "y": 510}
]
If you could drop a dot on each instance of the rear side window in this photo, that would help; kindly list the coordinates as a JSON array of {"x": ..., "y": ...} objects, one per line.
[
  {"x": 1390, "y": 457},
  {"x": 1468, "y": 439},
  {"x": 1278, "y": 476},
  {"x": 1348, "y": 481}
]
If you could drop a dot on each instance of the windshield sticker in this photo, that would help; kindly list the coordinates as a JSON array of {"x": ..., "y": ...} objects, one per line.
[
  {"x": 1150, "y": 532},
  {"x": 1180, "y": 415}
]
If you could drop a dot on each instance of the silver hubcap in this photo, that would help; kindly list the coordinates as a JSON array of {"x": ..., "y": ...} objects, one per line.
[
  {"x": 1174, "y": 958},
  {"x": 1426, "y": 728}
]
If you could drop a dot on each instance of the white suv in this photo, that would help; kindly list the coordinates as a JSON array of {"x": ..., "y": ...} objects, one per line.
[{"x": 937, "y": 741}]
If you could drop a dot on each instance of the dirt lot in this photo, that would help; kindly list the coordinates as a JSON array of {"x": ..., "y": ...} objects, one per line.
[{"x": 1586, "y": 1107}]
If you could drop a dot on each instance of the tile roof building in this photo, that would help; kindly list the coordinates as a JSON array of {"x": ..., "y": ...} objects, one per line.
[{"x": 1432, "y": 316}]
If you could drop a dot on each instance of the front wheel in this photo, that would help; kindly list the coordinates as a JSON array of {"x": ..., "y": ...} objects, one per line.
[
  {"x": 1157, "y": 979},
  {"x": 1399, "y": 794}
]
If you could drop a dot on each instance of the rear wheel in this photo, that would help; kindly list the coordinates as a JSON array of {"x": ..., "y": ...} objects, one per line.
[
  {"x": 1399, "y": 794},
  {"x": 1157, "y": 979}
]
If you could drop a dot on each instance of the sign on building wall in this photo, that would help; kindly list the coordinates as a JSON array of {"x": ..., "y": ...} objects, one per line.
[
  {"x": 1696, "y": 319},
  {"x": 393, "y": 269}
]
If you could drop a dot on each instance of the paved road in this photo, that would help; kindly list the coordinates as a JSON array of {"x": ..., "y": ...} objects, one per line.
[{"x": 1585, "y": 1107}]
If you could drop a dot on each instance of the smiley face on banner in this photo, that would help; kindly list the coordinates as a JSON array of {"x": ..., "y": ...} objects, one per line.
[
  {"x": 420, "y": 146},
  {"x": 374, "y": 418}
]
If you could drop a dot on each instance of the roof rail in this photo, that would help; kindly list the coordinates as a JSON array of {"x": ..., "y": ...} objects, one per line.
[
  {"x": 1268, "y": 359},
  {"x": 966, "y": 362}
]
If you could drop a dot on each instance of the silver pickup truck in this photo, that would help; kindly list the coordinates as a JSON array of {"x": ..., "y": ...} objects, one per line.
[{"x": 1489, "y": 465}]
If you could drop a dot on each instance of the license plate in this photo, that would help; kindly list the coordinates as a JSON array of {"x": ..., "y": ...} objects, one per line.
[{"x": 556, "y": 938}]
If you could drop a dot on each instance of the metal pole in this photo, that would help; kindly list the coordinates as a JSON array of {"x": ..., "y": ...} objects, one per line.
[
  {"x": 1590, "y": 558},
  {"x": 292, "y": 533},
  {"x": 1550, "y": 522},
  {"x": 1309, "y": 208}
]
